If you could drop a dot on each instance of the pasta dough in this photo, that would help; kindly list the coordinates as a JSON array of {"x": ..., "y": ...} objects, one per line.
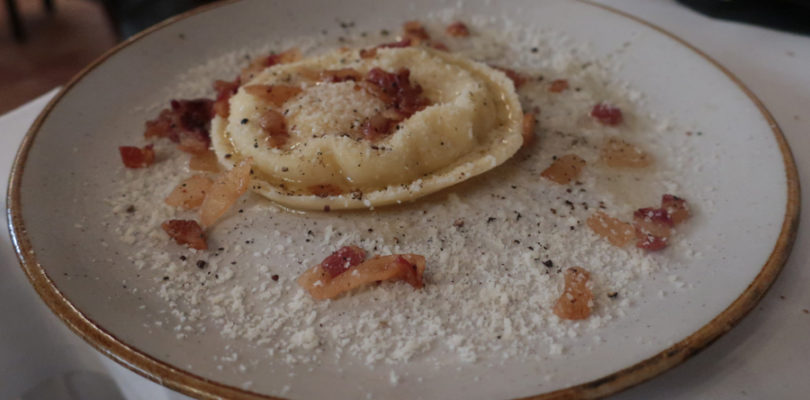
[{"x": 472, "y": 124}]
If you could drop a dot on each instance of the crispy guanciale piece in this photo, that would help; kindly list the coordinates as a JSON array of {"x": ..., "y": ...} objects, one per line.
[
  {"x": 401, "y": 96},
  {"x": 275, "y": 125},
  {"x": 607, "y": 114},
  {"x": 621, "y": 154},
  {"x": 186, "y": 232},
  {"x": 558, "y": 86},
  {"x": 517, "y": 78},
  {"x": 341, "y": 75},
  {"x": 616, "y": 231},
  {"x": 137, "y": 157},
  {"x": 651, "y": 242},
  {"x": 186, "y": 122},
  {"x": 274, "y": 95},
  {"x": 342, "y": 259},
  {"x": 439, "y": 45},
  {"x": 654, "y": 226},
  {"x": 653, "y": 221},
  {"x": 224, "y": 192},
  {"x": 325, "y": 190},
  {"x": 415, "y": 31},
  {"x": 225, "y": 90},
  {"x": 190, "y": 193},
  {"x": 457, "y": 29},
  {"x": 576, "y": 301},
  {"x": 206, "y": 161},
  {"x": 676, "y": 207},
  {"x": 397, "y": 90},
  {"x": 399, "y": 267},
  {"x": 529, "y": 122},
  {"x": 378, "y": 126},
  {"x": 564, "y": 169},
  {"x": 259, "y": 64}
]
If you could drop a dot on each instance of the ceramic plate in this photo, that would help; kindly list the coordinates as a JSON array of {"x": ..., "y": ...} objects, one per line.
[{"x": 747, "y": 184}]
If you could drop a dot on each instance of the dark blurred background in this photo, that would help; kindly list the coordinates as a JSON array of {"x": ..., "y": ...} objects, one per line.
[{"x": 45, "y": 42}]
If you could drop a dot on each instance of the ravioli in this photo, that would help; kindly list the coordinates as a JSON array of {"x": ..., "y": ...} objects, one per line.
[{"x": 465, "y": 121}]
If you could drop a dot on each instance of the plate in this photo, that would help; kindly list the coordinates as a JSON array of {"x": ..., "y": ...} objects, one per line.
[{"x": 743, "y": 230}]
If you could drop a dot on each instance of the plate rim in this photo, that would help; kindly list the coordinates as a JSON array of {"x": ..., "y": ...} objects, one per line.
[{"x": 192, "y": 384}]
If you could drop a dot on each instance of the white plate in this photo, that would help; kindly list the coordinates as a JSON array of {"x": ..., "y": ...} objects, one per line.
[{"x": 62, "y": 174}]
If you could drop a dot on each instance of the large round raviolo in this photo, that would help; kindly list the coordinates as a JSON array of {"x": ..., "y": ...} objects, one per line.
[{"x": 472, "y": 124}]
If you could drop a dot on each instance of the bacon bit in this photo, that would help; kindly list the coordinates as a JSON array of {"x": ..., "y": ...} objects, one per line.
[
  {"x": 564, "y": 169},
  {"x": 404, "y": 267},
  {"x": 654, "y": 226},
  {"x": 190, "y": 193},
  {"x": 653, "y": 221},
  {"x": 620, "y": 154},
  {"x": 275, "y": 95},
  {"x": 558, "y": 86},
  {"x": 227, "y": 188},
  {"x": 529, "y": 121},
  {"x": 576, "y": 301},
  {"x": 402, "y": 98},
  {"x": 415, "y": 31},
  {"x": 372, "y": 52},
  {"x": 341, "y": 75},
  {"x": 457, "y": 29},
  {"x": 325, "y": 190},
  {"x": 676, "y": 207},
  {"x": 439, "y": 45},
  {"x": 206, "y": 161},
  {"x": 607, "y": 114},
  {"x": 187, "y": 123},
  {"x": 343, "y": 259},
  {"x": 166, "y": 125},
  {"x": 275, "y": 125},
  {"x": 368, "y": 53},
  {"x": 401, "y": 94},
  {"x": 616, "y": 231},
  {"x": 136, "y": 157},
  {"x": 650, "y": 242},
  {"x": 186, "y": 232},
  {"x": 377, "y": 126},
  {"x": 517, "y": 78},
  {"x": 193, "y": 144},
  {"x": 225, "y": 90}
]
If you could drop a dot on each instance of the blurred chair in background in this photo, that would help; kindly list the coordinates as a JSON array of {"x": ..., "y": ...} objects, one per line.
[{"x": 17, "y": 28}]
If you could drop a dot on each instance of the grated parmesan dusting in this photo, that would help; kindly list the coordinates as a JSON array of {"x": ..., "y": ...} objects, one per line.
[{"x": 491, "y": 281}]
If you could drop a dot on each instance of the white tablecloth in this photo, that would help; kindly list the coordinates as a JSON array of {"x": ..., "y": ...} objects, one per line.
[{"x": 766, "y": 356}]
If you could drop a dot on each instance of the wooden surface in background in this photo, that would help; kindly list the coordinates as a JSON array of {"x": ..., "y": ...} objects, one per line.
[{"x": 57, "y": 47}]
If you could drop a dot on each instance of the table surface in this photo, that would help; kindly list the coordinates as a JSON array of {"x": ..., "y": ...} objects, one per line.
[{"x": 765, "y": 356}]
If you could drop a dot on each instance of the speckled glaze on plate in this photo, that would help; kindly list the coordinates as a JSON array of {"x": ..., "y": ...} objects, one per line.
[{"x": 91, "y": 112}]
